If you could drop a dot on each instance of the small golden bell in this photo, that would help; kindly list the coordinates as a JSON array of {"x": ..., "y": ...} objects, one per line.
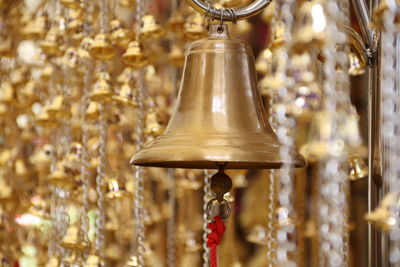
[
  {"x": 150, "y": 29},
  {"x": 83, "y": 50},
  {"x": 61, "y": 178},
  {"x": 102, "y": 48},
  {"x": 119, "y": 35},
  {"x": 36, "y": 29},
  {"x": 125, "y": 76},
  {"x": 125, "y": 95},
  {"x": 7, "y": 92},
  {"x": 72, "y": 4},
  {"x": 57, "y": 108},
  {"x": 269, "y": 13},
  {"x": 258, "y": 235},
  {"x": 114, "y": 190},
  {"x": 20, "y": 168},
  {"x": 283, "y": 217},
  {"x": 356, "y": 65},
  {"x": 127, "y": 3},
  {"x": 264, "y": 61},
  {"x": 46, "y": 73},
  {"x": 27, "y": 94},
  {"x": 153, "y": 126},
  {"x": 175, "y": 22},
  {"x": 72, "y": 160},
  {"x": 51, "y": 44},
  {"x": 70, "y": 57},
  {"x": 18, "y": 76},
  {"x": 319, "y": 141},
  {"x": 44, "y": 120},
  {"x": 357, "y": 168},
  {"x": 114, "y": 251},
  {"x": 52, "y": 262},
  {"x": 243, "y": 27},
  {"x": 6, "y": 46},
  {"x": 5, "y": 190},
  {"x": 93, "y": 111},
  {"x": 311, "y": 33},
  {"x": 93, "y": 260},
  {"x": 134, "y": 55},
  {"x": 176, "y": 56},
  {"x": 74, "y": 239},
  {"x": 194, "y": 27},
  {"x": 132, "y": 262},
  {"x": 74, "y": 22},
  {"x": 385, "y": 216},
  {"x": 102, "y": 91},
  {"x": 279, "y": 35}
]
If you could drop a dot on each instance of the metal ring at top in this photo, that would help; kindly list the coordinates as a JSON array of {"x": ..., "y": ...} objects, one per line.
[{"x": 241, "y": 13}]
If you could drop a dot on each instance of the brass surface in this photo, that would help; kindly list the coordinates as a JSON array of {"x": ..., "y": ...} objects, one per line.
[{"x": 219, "y": 116}]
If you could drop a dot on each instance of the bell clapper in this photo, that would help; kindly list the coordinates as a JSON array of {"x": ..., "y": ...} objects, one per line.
[{"x": 221, "y": 184}]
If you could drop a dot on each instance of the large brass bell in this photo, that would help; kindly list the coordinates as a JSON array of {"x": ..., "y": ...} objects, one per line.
[
  {"x": 102, "y": 91},
  {"x": 357, "y": 168},
  {"x": 102, "y": 48},
  {"x": 218, "y": 116},
  {"x": 150, "y": 29},
  {"x": 134, "y": 55}
]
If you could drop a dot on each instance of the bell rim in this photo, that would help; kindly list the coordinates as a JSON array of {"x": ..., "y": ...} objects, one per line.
[{"x": 200, "y": 156}]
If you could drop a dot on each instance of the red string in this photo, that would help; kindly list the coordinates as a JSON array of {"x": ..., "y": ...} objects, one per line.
[{"x": 217, "y": 228}]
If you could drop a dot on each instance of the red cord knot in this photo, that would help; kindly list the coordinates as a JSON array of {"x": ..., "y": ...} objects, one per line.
[{"x": 217, "y": 228}]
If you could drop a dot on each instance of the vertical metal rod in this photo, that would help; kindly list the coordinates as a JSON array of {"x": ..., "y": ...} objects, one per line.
[
  {"x": 364, "y": 19},
  {"x": 371, "y": 78}
]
